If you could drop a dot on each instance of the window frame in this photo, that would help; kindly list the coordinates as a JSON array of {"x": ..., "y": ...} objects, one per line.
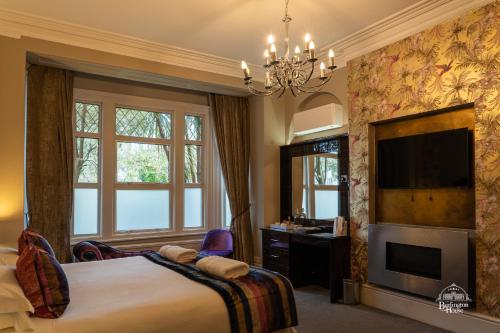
[
  {"x": 109, "y": 185},
  {"x": 98, "y": 185},
  {"x": 142, "y": 185},
  {"x": 204, "y": 161}
]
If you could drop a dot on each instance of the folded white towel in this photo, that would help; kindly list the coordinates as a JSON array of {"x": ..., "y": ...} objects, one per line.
[
  {"x": 223, "y": 267},
  {"x": 178, "y": 254}
]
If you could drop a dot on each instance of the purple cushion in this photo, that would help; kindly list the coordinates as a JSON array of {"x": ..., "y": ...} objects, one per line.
[
  {"x": 43, "y": 282},
  {"x": 29, "y": 237}
]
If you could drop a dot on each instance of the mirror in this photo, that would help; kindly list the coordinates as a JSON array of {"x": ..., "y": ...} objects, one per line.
[
  {"x": 314, "y": 179},
  {"x": 315, "y": 186}
]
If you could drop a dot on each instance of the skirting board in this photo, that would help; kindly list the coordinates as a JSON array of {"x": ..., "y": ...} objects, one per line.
[{"x": 426, "y": 311}]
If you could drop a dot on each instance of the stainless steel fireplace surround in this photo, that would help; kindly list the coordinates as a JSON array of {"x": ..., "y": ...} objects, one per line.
[{"x": 420, "y": 260}]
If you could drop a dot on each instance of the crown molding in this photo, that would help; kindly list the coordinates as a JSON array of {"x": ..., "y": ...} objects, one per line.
[
  {"x": 17, "y": 24},
  {"x": 418, "y": 17},
  {"x": 411, "y": 20}
]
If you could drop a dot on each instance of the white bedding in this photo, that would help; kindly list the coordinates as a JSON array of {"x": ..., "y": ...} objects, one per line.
[{"x": 137, "y": 296}]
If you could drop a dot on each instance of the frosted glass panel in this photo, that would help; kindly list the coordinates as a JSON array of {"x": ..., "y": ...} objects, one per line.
[
  {"x": 327, "y": 204},
  {"x": 85, "y": 211},
  {"x": 193, "y": 216},
  {"x": 142, "y": 209}
]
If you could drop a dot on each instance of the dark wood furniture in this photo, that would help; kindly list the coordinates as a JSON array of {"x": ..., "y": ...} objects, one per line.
[
  {"x": 308, "y": 259},
  {"x": 305, "y": 258}
]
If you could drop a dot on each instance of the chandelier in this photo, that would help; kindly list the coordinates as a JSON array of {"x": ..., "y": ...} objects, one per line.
[{"x": 286, "y": 72}]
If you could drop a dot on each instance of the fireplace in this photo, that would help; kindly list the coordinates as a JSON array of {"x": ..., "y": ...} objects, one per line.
[
  {"x": 420, "y": 260},
  {"x": 411, "y": 259}
]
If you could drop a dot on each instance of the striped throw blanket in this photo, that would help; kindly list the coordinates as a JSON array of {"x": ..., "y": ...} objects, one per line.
[{"x": 259, "y": 302}]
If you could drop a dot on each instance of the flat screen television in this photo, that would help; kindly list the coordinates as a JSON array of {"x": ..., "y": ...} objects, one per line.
[{"x": 431, "y": 160}]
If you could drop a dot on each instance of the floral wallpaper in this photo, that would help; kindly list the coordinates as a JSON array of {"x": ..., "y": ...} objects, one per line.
[{"x": 453, "y": 63}]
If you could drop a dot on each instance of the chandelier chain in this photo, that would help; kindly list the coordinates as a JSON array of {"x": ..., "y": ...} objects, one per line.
[{"x": 286, "y": 18}]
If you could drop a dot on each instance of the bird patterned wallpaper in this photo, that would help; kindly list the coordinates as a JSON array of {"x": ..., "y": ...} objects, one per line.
[{"x": 453, "y": 63}]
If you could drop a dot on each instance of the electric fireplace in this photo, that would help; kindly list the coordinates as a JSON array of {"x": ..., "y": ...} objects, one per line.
[{"x": 420, "y": 260}]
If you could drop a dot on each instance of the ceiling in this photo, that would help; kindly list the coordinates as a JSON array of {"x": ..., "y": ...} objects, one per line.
[{"x": 233, "y": 29}]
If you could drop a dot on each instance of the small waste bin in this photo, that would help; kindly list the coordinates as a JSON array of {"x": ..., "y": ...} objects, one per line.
[{"x": 351, "y": 292}]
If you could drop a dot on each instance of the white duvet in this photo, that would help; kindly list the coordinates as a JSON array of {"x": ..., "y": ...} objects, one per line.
[{"x": 134, "y": 295}]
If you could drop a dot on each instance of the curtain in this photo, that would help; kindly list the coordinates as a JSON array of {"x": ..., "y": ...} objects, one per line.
[
  {"x": 49, "y": 156},
  {"x": 231, "y": 119},
  {"x": 297, "y": 183}
]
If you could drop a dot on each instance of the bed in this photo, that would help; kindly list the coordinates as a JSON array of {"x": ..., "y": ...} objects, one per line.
[{"x": 136, "y": 295}]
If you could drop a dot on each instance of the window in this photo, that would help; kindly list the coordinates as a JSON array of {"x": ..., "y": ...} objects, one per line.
[
  {"x": 321, "y": 181},
  {"x": 86, "y": 168},
  {"x": 143, "y": 183},
  {"x": 226, "y": 208},
  {"x": 193, "y": 171},
  {"x": 143, "y": 168}
]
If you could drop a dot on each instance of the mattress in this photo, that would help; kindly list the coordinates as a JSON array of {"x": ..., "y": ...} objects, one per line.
[{"x": 135, "y": 295}]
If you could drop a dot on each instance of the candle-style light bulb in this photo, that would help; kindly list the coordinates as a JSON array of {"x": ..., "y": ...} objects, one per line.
[
  {"x": 273, "y": 52},
  {"x": 311, "y": 50},
  {"x": 331, "y": 56},
  {"x": 296, "y": 57},
  {"x": 270, "y": 39},
  {"x": 246, "y": 70},
  {"x": 322, "y": 70},
  {"x": 268, "y": 80},
  {"x": 307, "y": 39}
]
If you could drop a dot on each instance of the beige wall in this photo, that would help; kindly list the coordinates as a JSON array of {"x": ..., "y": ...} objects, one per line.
[
  {"x": 267, "y": 135},
  {"x": 12, "y": 83},
  {"x": 257, "y": 169},
  {"x": 334, "y": 91},
  {"x": 13, "y": 53}
]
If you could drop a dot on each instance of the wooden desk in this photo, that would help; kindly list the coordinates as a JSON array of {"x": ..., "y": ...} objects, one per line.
[{"x": 307, "y": 259}]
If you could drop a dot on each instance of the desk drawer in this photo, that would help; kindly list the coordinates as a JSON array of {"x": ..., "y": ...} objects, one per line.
[
  {"x": 276, "y": 239},
  {"x": 277, "y": 256},
  {"x": 280, "y": 269}
]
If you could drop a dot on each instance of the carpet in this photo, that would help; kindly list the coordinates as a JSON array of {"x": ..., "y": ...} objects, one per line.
[{"x": 317, "y": 315}]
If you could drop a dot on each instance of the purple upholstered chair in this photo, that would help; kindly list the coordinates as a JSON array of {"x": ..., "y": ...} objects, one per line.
[{"x": 217, "y": 242}]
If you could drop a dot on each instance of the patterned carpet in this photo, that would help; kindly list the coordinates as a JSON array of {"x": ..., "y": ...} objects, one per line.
[{"x": 317, "y": 315}]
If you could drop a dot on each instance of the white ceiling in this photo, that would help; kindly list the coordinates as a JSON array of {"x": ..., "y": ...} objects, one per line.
[{"x": 234, "y": 29}]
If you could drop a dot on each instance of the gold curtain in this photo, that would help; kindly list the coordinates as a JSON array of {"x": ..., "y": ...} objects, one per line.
[
  {"x": 49, "y": 156},
  {"x": 297, "y": 183},
  {"x": 231, "y": 121}
]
